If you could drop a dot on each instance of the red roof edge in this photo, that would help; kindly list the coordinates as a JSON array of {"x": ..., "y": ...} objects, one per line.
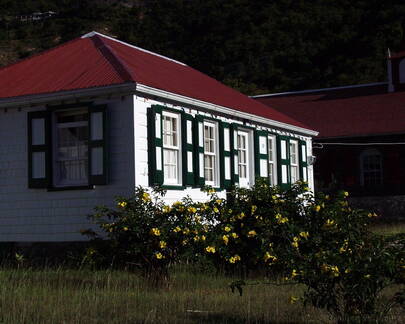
[{"x": 123, "y": 71}]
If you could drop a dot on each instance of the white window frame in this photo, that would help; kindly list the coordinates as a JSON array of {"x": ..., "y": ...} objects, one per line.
[
  {"x": 294, "y": 165},
  {"x": 363, "y": 156},
  {"x": 249, "y": 179},
  {"x": 176, "y": 149},
  {"x": 272, "y": 162},
  {"x": 57, "y": 182},
  {"x": 214, "y": 155}
]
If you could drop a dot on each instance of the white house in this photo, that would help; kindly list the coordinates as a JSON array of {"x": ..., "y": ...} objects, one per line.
[{"x": 95, "y": 117}]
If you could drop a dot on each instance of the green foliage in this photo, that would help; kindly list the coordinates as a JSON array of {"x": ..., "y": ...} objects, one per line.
[{"x": 320, "y": 242}]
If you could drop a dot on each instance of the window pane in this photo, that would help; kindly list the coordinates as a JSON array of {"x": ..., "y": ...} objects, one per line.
[
  {"x": 96, "y": 126},
  {"x": 71, "y": 156},
  {"x": 38, "y": 165},
  {"x": 97, "y": 161},
  {"x": 38, "y": 131}
]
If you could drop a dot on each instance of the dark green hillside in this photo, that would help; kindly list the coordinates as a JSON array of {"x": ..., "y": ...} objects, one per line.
[{"x": 255, "y": 46}]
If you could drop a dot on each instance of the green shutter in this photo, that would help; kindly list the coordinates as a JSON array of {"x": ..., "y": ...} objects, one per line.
[
  {"x": 261, "y": 154},
  {"x": 225, "y": 155},
  {"x": 187, "y": 140},
  {"x": 155, "y": 146},
  {"x": 303, "y": 160},
  {"x": 199, "y": 150},
  {"x": 234, "y": 154},
  {"x": 283, "y": 161},
  {"x": 98, "y": 151},
  {"x": 39, "y": 149}
]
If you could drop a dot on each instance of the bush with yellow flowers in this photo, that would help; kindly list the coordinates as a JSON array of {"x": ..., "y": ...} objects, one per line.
[
  {"x": 142, "y": 231},
  {"x": 320, "y": 242}
]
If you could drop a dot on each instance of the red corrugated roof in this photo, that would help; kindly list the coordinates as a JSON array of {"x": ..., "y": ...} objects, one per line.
[
  {"x": 349, "y": 111},
  {"x": 98, "y": 60}
]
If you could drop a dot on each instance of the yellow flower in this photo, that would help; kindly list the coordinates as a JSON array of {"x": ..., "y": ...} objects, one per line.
[
  {"x": 304, "y": 235},
  {"x": 237, "y": 257},
  {"x": 329, "y": 223},
  {"x": 306, "y": 189},
  {"x": 372, "y": 215},
  {"x": 202, "y": 237},
  {"x": 177, "y": 203},
  {"x": 166, "y": 209},
  {"x": 122, "y": 204},
  {"x": 293, "y": 299},
  {"x": 231, "y": 260},
  {"x": 192, "y": 210},
  {"x": 177, "y": 229},
  {"x": 216, "y": 210},
  {"x": 184, "y": 242},
  {"x": 367, "y": 276},
  {"x": 162, "y": 244},
  {"x": 186, "y": 231},
  {"x": 294, "y": 273},
  {"x": 159, "y": 255},
  {"x": 317, "y": 208},
  {"x": 335, "y": 271},
  {"x": 196, "y": 238},
  {"x": 252, "y": 233},
  {"x": 345, "y": 193},
  {"x": 294, "y": 244},
  {"x": 295, "y": 239},
  {"x": 342, "y": 249},
  {"x": 234, "y": 235},
  {"x": 125, "y": 228},
  {"x": 210, "y": 249},
  {"x": 145, "y": 197},
  {"x": 155, "y": 231},
  {"x": 254, "y": 208},
  {"x": 268, "y": 256},
  {"x": 225, "y": 239},
  {"x": 241, "y": 215},
  {"x": 227, "y": 229},
  {"x": 327, "y": 197},
  {"x": 218, "y": 201},
  {"x": 347, "y": 270}
]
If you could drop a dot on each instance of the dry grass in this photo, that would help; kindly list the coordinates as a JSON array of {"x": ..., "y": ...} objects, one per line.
[{"x": 74, "y": 296}]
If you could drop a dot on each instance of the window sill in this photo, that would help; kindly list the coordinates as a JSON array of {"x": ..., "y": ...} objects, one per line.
[
  {"x": 85, "y": 187},
  {"x": 173, "y": 187}
]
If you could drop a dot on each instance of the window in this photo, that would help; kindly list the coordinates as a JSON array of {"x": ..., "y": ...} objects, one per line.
[
  {"x": 71, "y": 132},
  {"x": 211, "y": 175},
  {"x": 294, "y": 161},
  {"x": 67, "y": 147},
  {"x": 171, "y": 148},
  {"x": 371, "y": 168},
  {"x": 244, "y": 158},
  {"x": 272, "y": 158}
]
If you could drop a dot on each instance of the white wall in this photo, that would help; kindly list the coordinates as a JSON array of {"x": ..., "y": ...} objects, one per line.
[
  {"x": 141, "y": 149},
  {"x": 41, "y": 215}
]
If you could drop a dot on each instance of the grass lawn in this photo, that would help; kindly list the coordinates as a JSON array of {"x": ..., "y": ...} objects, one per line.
[
  {"x": 193, "y": 296},
  {"x": 82, "y": 296}
]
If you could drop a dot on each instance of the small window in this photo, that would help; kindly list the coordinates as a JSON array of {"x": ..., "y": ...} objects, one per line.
[
  {"x": 211, "y": 174},
  {"x": 272, "y": 158},
  {"x": 294, "y": 161},
  {"x": 71, "y": 129},
  {"x": 244, "y": 158},
  {"x": 371, "y": 168},
  {"x": 171, "y": 148}
]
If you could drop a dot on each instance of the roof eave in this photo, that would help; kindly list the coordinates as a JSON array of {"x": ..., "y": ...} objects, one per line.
[
  {"x": 37, "y": 99},
  {"x": 143, "y": 89}
]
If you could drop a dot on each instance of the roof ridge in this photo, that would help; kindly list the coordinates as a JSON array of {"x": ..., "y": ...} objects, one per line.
[
  {"x": 118, "y": 65},
  {"x": 94, "y": 33},
  {"x": 318, "y": 90}
]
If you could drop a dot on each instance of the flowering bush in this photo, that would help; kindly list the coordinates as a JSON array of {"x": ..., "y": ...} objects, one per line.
[
  {"x": 320, "y": 242},
  {"x": 145, "y": 232}
]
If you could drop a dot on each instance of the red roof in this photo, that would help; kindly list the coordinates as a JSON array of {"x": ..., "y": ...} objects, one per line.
[
  {"x": 347, "y": 111},
  {"x": 97, "y": 60}
]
